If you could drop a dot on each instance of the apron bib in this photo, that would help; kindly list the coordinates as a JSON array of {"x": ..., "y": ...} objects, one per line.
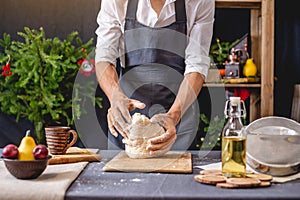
[{"x": 154, "y": 67}]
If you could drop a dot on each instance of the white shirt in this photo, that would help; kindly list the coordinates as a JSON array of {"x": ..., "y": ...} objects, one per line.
[{"x": 200, "y": 19}]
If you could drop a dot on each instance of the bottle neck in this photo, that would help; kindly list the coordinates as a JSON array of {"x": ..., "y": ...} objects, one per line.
[
  {"x": 235, "y": 117},
  {"x": 234, "y": 125},
  {"x": 235, "y": 111}
]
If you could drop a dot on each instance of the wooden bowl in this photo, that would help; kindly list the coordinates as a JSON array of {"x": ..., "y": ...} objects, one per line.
[{"x": 26, "y": 169}]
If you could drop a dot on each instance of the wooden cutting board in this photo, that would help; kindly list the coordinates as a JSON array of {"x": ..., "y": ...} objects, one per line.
[
  {"x": 75, "y": 154},
  {"x": 172, "y": 162}
]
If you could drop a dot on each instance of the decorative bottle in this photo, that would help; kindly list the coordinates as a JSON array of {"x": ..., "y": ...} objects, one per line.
[{"x": 234, "y": 139}]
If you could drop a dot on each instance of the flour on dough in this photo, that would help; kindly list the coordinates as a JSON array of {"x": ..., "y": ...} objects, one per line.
[{"x": 140, "y": 131}]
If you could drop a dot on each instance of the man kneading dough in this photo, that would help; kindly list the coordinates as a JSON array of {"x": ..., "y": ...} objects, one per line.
[{"x": 140, "y": 131}]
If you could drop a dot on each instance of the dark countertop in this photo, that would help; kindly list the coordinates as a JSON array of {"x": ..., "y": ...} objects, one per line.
[{"x": 94, "y": 183}]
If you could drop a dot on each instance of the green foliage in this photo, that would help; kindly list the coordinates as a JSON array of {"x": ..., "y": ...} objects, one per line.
[
  {"x": 43, "y": 72},
  {"x": 220, "y": 51},
  {"x": 212, "y": 132}
]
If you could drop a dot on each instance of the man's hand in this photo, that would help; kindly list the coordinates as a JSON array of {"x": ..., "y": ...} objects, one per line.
[
  {"x": 188, "y": 92},
  {"x": 118, "y": 116},
  {"x": 162, "y": 144}
]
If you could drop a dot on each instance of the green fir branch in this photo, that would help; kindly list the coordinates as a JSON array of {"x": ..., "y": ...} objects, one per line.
[{"x": 41, "y": 85}]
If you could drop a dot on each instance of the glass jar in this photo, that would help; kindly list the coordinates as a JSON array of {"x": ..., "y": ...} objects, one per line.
[{"x": 234, "y": 139}]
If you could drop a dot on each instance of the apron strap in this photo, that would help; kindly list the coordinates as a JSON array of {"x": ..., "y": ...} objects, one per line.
[
  {"x": 179, "y": 10},
  {"x": 131, "y": 9}
]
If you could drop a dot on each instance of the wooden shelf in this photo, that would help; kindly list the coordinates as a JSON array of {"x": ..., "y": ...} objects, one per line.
[
  {"x": 251, "y": 4},
  {"x": 231, "y": 85},
  {"x": 262, "y": 51}
]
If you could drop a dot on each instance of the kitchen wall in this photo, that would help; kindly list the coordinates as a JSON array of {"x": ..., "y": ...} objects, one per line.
[{"x": 58, "y": 17}]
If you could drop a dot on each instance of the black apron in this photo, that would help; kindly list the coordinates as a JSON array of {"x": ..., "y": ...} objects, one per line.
[{"x": 154, "y": 67}]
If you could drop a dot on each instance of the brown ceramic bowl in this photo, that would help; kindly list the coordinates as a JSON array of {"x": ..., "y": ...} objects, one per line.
[{"x": 26, "y": 169}]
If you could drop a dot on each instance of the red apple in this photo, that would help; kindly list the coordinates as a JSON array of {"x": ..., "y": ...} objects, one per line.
[
  {"x": 40, "y": 151},
  {"x": 10, "y": 151}
]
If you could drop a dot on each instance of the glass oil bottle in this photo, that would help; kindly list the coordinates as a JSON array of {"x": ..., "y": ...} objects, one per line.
[{"x": 234, "y": 139}]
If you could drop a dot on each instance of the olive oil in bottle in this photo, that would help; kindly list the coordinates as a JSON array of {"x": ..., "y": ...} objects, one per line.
[
  {"x": 234, "y": 154},
  {"x": 234, "y": 140}
]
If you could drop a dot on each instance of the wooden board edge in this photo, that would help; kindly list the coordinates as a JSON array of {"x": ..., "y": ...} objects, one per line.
[
  {"x": 74, "y": 159},
  {"x": 111, "y": 169}
]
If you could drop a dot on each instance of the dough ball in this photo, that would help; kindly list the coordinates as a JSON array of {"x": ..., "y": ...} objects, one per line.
[{"x": 140, "y": 131}]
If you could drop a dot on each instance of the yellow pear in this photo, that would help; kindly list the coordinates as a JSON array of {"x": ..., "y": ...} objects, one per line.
[
  {"x": 250, "y": 68},
  {"x": 26, "y": 147}
]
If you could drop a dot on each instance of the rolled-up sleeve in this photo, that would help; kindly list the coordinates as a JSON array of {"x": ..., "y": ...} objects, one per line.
[
  {"x": 108, "y": 33},
  {"x": 199, "y": 41}
]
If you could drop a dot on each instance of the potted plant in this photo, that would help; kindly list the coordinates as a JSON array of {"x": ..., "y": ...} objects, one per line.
[
  {"x": 219, "y": 52},
  {"x": 38, "y": 76}
]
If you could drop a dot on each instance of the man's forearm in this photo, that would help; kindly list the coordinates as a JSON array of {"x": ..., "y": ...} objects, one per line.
[
  {"x": 107, "y": 78},
  {"x": 187, "y": 94}
]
